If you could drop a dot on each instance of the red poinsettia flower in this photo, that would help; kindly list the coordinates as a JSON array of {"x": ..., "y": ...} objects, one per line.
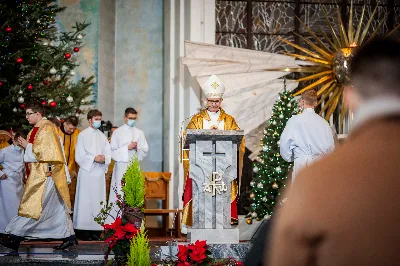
[
  {"x": 182, "y": 252},
  {"x": 239, "y": 263},
  {"x": 111, "y": 240},
  {"x": 130, "y": 230},
  {"x": 120, "y": 231},
  {"x": 198, "y": 252},
  {"x": 201, "y": 244},
  {"x": 117, "y": 223},
  {"x": 198, "y": 255}
]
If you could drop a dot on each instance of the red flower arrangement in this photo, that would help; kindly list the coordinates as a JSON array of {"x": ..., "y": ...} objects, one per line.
[
  {"x": 194, "y": 254},
  {"x": 118, "y": 235},
  {"x": 119, "y": 232},
  {"x": 198, "y": 254}
]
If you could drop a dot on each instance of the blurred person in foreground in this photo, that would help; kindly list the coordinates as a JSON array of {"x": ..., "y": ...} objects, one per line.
[{"x": 344, "y": 209}]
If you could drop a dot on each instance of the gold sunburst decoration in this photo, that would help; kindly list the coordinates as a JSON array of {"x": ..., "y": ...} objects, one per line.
[{"x": 329, "y": 71}]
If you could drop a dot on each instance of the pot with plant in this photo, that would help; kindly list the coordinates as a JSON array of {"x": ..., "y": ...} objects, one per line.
[
  {"x": 133, "y": 188},
  {"x": 119, "y": 233}
]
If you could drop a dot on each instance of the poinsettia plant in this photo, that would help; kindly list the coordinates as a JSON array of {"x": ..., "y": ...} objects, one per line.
[
  {"x": 194, "y": 254},
  {"x": 197, "y": 254},
  {"x": 118, "y": 235}
]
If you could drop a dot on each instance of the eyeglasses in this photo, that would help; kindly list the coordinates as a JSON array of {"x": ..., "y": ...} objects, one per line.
[
  {"x": 28, "y": 114},
  {"x": 214, "y": 101}
]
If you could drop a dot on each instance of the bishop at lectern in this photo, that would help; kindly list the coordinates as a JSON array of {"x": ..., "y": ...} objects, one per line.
[{"x": 212, "y": 117}]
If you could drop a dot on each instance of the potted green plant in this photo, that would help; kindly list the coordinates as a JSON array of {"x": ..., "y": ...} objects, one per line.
[
  {"x": 129, "y": 219},
  {"x": 133, "y": 188}
]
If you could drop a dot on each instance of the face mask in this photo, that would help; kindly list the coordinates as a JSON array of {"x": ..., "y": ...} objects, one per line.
[
  {"x": 131, "y": 122},
  {"x": 17, "y": 148},
  {"x": 96, "y": 124}
]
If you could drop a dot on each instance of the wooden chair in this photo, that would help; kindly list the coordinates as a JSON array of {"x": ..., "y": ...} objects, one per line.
[{"x": 157, "y": 188}]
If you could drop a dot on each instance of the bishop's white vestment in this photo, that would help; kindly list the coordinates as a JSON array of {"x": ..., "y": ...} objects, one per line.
[
  {"x": 306, "y": 137},
  {"x": 120, "y": 140},
  {"x": 11, "y": 188},
  {"x": 213, "y": 123},
  {"x": 91, "y": 184}
]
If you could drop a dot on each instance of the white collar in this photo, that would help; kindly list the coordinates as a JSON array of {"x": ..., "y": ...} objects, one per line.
[
  {"x": 374, "y": 108},
  {"x": 93, "y": 129},
  {"x": 309, "y": 110},
  {"x": 213, "y": 113},
  {"x": 128, "y": 127}
]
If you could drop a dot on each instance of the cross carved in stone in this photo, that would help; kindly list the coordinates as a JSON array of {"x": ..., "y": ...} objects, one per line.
[{"x": 213, "y": 154}]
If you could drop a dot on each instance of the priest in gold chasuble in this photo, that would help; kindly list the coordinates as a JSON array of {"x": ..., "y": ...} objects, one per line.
[
  {"x": 45, "y": 207},
  {"x": 69, "y": 132},
  {"x": 212, "y": 117}
]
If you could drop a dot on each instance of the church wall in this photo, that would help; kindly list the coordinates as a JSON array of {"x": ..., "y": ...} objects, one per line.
[
  {"x": 106, "y": 79},
  {"x": 133, "y": 47},
  {"x": 183, "y": 20},
  {"x": 88, "y": 56},
  {"x": 138, "y": 71}
]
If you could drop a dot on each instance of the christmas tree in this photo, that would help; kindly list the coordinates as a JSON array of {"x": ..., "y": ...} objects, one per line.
[
  {"x": 37, "y": 62},
  {"x": 270, "y": 170}
]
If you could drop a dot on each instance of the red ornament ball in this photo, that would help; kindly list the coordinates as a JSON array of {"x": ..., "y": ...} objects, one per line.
[
  {"x": 22, "y": 105},
  {"x": 53, "y": 104},
  {"x": 45, "y": 82},
  {"x": 67, "y": 55},
  {"x": 29, "y": 87},
  {"x": 76, "y": 49},
  {"x": 19, "y": 60},
  {"x": 8, "y": 29},
  {"x": 1, "y": 83},
  {"x": 44, "y": 103}
]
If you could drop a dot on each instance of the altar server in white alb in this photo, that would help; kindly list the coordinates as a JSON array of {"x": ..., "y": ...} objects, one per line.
[
  {"x": 93, "y": 155},
  {"x": 127, "y": 141},
  {"x": 307, "y": 136},
  {"x": 11, "y": 181}
]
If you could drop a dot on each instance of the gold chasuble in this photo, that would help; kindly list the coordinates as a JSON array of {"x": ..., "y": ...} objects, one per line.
[
  {"x": 69, "y": 142},
  {"x": 197, "y": 123},
  {"x": 47, "y": 150}
]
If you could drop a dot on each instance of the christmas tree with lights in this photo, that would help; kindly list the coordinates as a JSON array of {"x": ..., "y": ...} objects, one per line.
[
  {"x": 270, "y": 170},
  {"x": 37, "y": 62}
]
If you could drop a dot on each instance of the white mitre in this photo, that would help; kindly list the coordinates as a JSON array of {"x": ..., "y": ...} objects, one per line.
[{"x": 214, "y": 88}]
